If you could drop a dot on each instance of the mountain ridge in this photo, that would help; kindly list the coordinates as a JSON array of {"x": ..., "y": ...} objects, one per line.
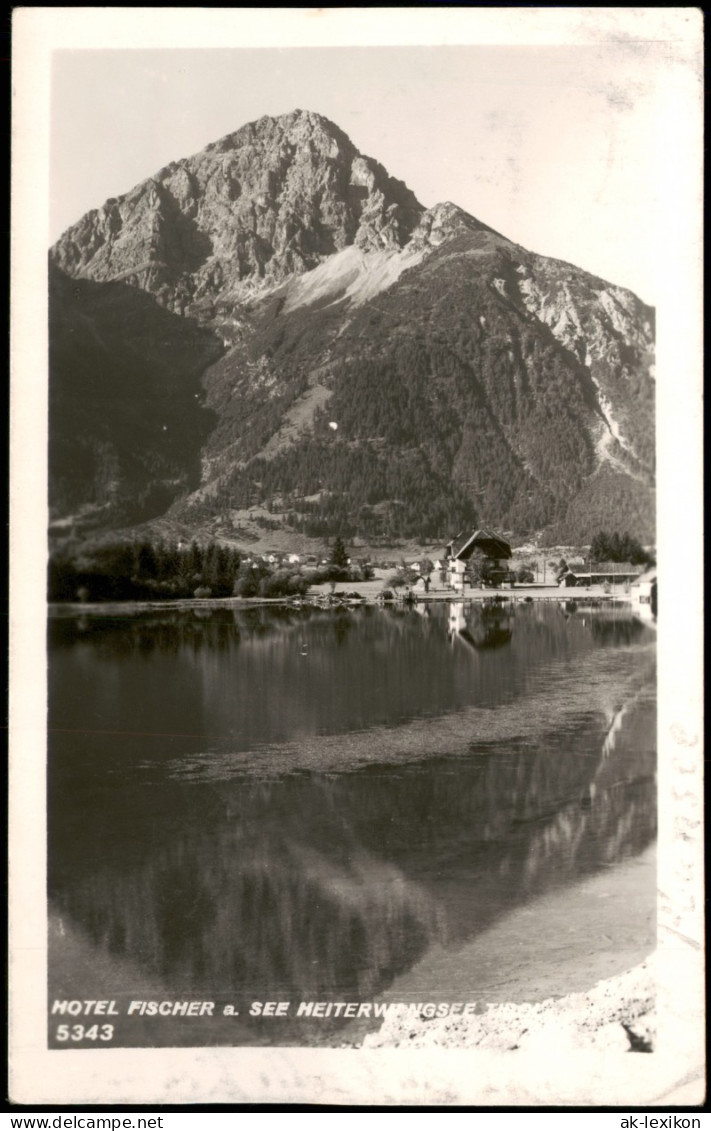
[{"x": 311, "y": 287}]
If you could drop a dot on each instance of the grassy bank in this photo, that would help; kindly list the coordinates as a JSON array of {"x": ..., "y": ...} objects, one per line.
[{"x": 369, "y": 591}]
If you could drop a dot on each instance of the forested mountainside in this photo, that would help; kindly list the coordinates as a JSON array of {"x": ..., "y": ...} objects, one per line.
[{"x": 277, "y": 325}]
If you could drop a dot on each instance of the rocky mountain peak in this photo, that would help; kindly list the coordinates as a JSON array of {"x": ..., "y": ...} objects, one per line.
[
  {"x": 271, "y": 200},
  {"x": 446, "y": 221},
  {"x": 298, "y": 126},
  {"x": 472, "y": 381}
]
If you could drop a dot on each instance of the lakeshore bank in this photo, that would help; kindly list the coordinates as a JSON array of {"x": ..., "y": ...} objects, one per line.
[
  {"x": 368, "y": 591},
  {"x": 617, "y": 1015},
  {"x": 537, "y": 984}
]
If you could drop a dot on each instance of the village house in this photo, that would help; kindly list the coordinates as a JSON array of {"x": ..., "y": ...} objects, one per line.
[
  {"x": 496, "y": 553},
  {"x": 575, "y": 565}
]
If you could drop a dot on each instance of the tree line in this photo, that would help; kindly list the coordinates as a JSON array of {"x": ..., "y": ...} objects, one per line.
[
  {"x": 614, "y": 547},
  {"x": 144, "y": 570}
]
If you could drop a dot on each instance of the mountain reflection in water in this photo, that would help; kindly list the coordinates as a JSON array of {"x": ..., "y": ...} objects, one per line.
[{"x": 328, "y": 883}]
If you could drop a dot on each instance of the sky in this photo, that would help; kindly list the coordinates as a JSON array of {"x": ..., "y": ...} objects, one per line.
[{"x": 559, "y": 147}]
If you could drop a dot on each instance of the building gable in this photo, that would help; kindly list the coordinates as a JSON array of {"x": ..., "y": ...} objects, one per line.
[{"x": 490, "y": 544}]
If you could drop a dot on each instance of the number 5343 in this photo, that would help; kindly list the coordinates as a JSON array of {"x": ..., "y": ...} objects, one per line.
[{"x": 80, "y": 1033}]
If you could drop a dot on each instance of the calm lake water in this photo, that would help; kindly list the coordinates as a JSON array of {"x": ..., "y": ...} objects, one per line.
[{"x": 286, "y": 806}]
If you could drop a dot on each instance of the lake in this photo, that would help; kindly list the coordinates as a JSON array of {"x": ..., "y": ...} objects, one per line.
[{"x": 338, "y": 806}]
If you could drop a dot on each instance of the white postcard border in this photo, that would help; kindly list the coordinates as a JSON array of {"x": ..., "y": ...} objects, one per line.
[{"x": 675, "y": 1072}]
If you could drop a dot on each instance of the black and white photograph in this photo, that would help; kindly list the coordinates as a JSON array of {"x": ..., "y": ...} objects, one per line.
[{"x": 356, "y": 420}]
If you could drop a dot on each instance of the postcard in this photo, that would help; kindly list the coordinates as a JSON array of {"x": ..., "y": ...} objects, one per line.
[{"x": 356, "y": 418}]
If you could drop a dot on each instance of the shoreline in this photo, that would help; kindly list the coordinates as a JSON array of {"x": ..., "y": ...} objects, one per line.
[
  {"x": 315, "y": 599},
  {"x": 586, "y": 994},
  {"x": 617, "y": 1014}
]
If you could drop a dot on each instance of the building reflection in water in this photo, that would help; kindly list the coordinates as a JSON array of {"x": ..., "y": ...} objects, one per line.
[{"x": 481, "y": 625}]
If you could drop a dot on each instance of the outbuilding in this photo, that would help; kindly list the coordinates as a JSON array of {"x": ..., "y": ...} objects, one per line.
[
  {"x": 600, "y": 573},
  {"x": 644, "y": 591}
]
